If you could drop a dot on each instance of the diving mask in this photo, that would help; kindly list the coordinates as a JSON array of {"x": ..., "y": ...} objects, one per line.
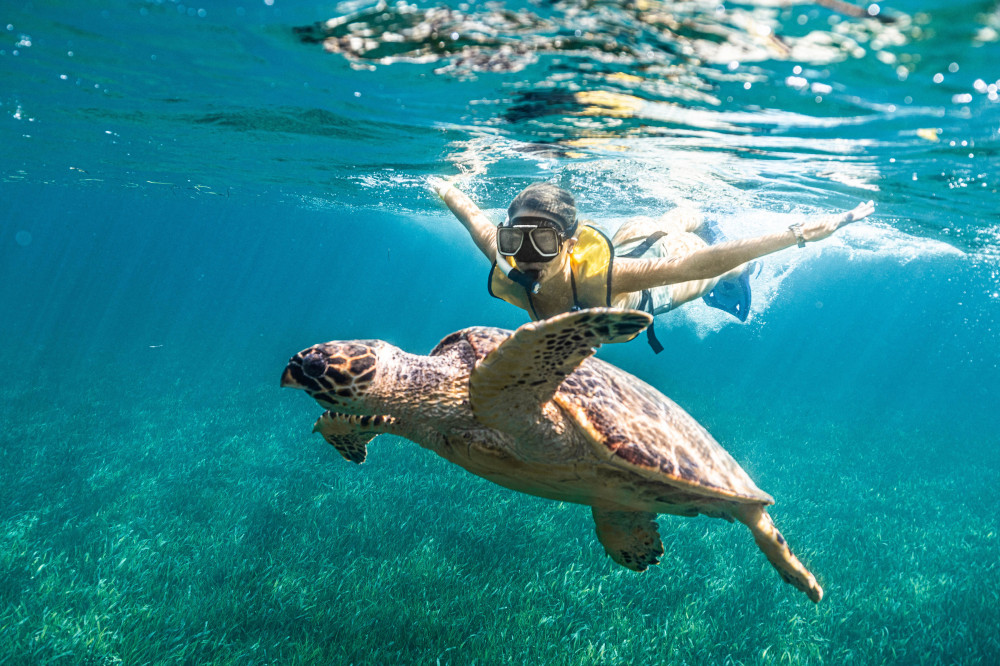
[{"x": 529, "y": 243}]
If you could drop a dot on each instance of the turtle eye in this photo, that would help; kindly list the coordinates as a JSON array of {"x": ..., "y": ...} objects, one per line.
[{"x": 313, "y": 365}]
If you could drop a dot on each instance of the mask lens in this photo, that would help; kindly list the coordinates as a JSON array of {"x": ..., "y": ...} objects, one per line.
[
  {"x": 546, "y": 241},
  {"x": 509, "y": 240}
]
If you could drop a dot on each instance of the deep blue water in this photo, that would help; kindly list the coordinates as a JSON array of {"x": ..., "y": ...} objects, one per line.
[{"x": 191, "y": 193}]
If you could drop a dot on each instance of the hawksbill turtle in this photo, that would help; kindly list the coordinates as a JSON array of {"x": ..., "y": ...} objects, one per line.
[{"x": 531, "y": 411}]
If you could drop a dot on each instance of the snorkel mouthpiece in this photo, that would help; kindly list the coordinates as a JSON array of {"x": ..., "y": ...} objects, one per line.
[{"x": 527, "y": 279}]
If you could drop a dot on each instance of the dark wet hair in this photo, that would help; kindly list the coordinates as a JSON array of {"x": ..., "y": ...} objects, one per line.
[{"x": 545, "y": 200}]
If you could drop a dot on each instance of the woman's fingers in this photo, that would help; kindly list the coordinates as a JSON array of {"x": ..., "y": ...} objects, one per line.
[{"x": 860, "y": 212}]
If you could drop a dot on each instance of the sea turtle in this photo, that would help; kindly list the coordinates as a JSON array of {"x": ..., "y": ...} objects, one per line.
[{"x": 531, "y": 411}]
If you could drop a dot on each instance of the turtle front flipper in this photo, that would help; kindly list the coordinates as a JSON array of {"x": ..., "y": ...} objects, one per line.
[
  {"x": 774, "y": 547},
  {"x": 630, "y": 538},
  {"x": 350, "y": 433},
  {"x": 526, "y": 369}
]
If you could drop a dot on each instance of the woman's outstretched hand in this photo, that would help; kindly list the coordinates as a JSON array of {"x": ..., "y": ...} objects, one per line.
[
  {"x": 438, "y": 185},
  {"x": 826, "y": 225},
  {"x": 441, "y": 186}
]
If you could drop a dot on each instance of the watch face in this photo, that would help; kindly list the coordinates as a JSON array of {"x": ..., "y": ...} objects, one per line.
[{"x": 797, "y": 230}]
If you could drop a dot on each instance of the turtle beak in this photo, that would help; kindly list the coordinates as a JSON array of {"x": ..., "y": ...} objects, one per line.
[{"x": 288, "y": 379}]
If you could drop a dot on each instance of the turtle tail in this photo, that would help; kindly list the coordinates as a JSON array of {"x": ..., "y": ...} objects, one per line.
[
  {"x": 349, "y": 433},
  {"x": 774, "y": 547}
]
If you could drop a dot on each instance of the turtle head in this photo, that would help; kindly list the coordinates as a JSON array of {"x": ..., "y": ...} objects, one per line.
[{"x": 338, "y": 375}]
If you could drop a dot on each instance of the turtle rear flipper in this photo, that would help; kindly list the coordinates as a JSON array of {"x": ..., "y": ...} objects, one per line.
[
  {"x": 630, "y": 538},
  {"x": 774, "y": 547},
  {"x": 350, "y": 433}
]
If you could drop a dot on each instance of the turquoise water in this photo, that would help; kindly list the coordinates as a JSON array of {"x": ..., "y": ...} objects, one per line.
[{"x": 191, "y": 194}]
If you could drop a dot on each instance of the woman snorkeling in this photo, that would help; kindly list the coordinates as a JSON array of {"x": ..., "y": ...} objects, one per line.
[{"x": 546, "y": 262}]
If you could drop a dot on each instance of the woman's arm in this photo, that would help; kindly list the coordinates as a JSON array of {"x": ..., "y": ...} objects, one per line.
[
  {"x": 480, "y": 227},
  {"x": 715, "y": 260}
]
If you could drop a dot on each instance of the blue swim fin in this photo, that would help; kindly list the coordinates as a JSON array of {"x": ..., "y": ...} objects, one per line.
[
  {"x": 733, "y": 295},
  {"x": 710, "y": 232}
]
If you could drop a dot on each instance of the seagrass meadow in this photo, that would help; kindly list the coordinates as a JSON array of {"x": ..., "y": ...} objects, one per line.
[
  {"x": 204, "y": 541},
  {"x": 192, "y": 193}
]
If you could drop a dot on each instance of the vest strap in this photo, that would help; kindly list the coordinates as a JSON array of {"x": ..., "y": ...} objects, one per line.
[
  {"x": 646, "y": 305},
  {"x": 641, "y": 248}
]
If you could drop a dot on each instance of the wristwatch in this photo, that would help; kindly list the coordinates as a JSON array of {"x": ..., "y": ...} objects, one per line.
[{"x": 797, "y": 230}]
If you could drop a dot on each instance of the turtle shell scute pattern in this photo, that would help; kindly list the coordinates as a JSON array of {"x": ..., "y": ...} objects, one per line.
[
  {"x": 647, "y": 431},
  {"x": 472, "y": 344}
]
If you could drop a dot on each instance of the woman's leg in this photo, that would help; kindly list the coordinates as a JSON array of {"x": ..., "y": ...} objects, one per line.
[{"x": 676, "y": 220}]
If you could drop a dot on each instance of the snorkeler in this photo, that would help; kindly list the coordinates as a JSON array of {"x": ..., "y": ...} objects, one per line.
[{"x": 546, "y": 262}]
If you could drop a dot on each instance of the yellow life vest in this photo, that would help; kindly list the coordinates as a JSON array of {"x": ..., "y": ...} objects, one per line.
[{"x": 590, "y": 263}]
